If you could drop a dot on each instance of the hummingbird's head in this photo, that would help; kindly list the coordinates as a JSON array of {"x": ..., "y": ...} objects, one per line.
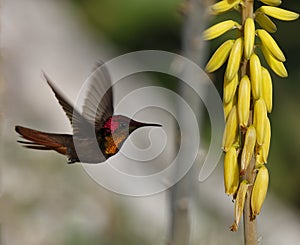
[
  {"x": 119, "y": 124},
  {"x": 116, "y": 130}
]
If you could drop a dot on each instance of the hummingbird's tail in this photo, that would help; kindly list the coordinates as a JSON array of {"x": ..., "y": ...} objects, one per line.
[{"x": 44, "y": 141}]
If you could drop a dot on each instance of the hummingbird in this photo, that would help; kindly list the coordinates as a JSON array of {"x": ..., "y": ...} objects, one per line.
[{"x": 98, "y": 134}]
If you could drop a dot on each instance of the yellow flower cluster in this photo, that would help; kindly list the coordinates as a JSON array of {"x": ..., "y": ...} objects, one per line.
[{"x": 247, "y": 95}]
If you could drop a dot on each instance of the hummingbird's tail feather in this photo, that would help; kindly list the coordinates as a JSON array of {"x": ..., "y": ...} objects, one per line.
[
  {"x": 44, "y": 141},
  {"x": 33, "y": 145}
]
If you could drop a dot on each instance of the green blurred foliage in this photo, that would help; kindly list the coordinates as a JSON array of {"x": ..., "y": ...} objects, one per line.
[{"x": 134, "y": 24}]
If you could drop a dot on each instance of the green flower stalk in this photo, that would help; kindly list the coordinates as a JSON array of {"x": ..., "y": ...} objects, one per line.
[{"x": 247, "y": 100}]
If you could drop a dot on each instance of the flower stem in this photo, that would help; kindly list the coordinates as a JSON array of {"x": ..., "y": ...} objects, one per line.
[{"x": 250, "y": 226}]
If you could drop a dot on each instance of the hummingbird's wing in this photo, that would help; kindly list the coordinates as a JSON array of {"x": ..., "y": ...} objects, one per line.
[
  {"x": 79, "y": 123},
  {"x": 98, "y": 104}
]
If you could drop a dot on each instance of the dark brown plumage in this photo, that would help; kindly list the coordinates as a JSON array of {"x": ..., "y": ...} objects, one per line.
[{"x": 97, "y": 133}]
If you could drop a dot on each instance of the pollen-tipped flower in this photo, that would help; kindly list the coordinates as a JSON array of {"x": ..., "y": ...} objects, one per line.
[
  {"x": 248, "y": 149},
  {"x": 259, "y": 191},
  {"x": 239, "y": 204},
  {"x": 247, "y": 94}
]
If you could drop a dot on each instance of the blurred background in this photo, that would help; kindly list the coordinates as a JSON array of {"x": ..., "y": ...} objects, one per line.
[{"x": 46, "y": 201}]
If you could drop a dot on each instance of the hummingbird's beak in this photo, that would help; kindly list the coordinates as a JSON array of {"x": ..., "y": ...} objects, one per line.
[{"x": 133, "y": 125}]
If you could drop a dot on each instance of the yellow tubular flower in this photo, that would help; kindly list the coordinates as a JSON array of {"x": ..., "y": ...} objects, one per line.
[
  {"x": 267, "y": 140},
  {"x": 259, "y": 160},
  {"x": 267, "y": 88},
  {"x": 276, "y": 65},
  {"x": 231, "y": 129},
  {"x": 270, "y": 44},
  {"x": 250, "y": 140},
  {"x": 228, "y": 106},
  {"x": 220, "y": 56},
  {"x": 231, "y": 172},
  {"x": 239, "y": 204},
  {"x": 223, "y": 6},
  {"x": 234, "y": 60},
  {"x": 244, "y": 101},
  {"x": 278, "y": 13},
  {"x": 249, "y": 36},
  {"x": 247, "y": 97},
  {"x": 260, "y": 115},
  {"x": 259, "y": 191},
  {"x": 265, "y": 22},
  {"x": 219, "y": 29},
  {"x": 255, "y": 76},
  {"x": 230, "y": 88},
  {"x": 272, "y": 2}
]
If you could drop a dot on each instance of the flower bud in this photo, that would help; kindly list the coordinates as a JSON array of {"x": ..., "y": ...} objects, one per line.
[
  {"x": 255, "y": 76},
  {"x": 260, "y": 115},
  {"x": 244, "y": 101},
  {"x": 259, "y": 191},
  {"x": 231, "y": 129},
  {"x": 231, "y": 171}
]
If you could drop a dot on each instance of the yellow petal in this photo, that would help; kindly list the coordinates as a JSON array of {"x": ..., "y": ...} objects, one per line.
[
  {"x": 219, "y": 29},
  {"x": 265, "y": 22},
  {"x": 276, "y": 65},
  {"x": 260, "y": 115},
  {"x": 231, "y": 129},
  {"x": 239, "y": 204},
  {"x": 255, "y": 76},
  {"x": 259, "y": 191},
  {"x": 249, "y": 36},
  {"x": 220, "y": 56},
  {"x": 267, "y": 140},
  {"x": 244, "y": 101},
  {"x": 270, "y": 44},
  {"x": 248, "y": 149},
  {"x": 229, "y": 105},
  {"x": 223, "y": 6},
  {"x": 231, "y": 171},
  {"x": 267, "y": 88},
  {"x": 230, "y": 89},
  {"x": 234, "y": 60},
  {"x": 278, "y": 13},
  {"x": 272, "y": 2}
]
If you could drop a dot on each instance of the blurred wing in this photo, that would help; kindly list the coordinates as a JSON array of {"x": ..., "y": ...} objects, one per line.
[
  {"x": 79, "y": 123},
  {"x": 98, "y": 104}
]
